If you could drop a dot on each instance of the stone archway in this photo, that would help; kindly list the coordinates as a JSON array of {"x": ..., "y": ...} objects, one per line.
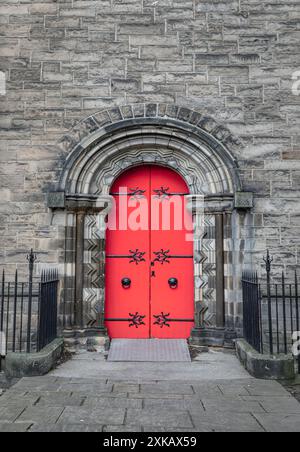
[{"x": 103, "y": 146}]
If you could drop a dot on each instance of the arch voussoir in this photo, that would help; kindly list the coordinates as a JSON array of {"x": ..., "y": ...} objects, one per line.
[{"x": 103, "y": 141}]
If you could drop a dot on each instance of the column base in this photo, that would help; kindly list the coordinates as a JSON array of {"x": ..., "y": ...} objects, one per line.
[
  {"x": 90, "y": 339},
  {"x": 215, "y": 337}
]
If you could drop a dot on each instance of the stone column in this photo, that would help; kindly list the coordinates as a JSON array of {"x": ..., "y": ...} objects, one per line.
[
  {"x": 79, "y": 272},
  {"x": 220, "y": 294},
  {"x": 196, "y": 208},
  {"x": 89, "y": 264},
  {"x": 102, "y": 244}
]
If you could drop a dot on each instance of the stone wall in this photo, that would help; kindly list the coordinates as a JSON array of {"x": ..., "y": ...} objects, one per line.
[{"x": 65, "y": 60}]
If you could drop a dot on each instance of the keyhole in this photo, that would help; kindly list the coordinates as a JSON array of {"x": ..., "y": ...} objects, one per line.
[{"x": 153, "y": 275}]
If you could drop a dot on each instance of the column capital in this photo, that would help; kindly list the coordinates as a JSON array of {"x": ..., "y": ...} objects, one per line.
[{"x": 89, "y": 204}]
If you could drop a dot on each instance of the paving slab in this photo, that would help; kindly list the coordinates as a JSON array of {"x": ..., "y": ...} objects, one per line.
[
  {"x": 183, "y": 404},
  {"x": 21, "y": 427},
  {"x": 19, "y": 400},
  {"x": 126, "y": 387},
  {"x": 211, "y": 366},
  {"x": 225, "y": 422},
  {"x": 160, "y": 417},
  {"x": 66, "y": 428},
  {"x": 155, "y": 429},
  {"x": 280, "y": 405},
  {"x": 166, "y": 388},
  {"x": 10, "y": 413},
  {"x": 41, "y": 415},
  {"x": 122, "y": 428},
  {"x": 109, "y": 416},
  {"x": 279, "y": 423},
  {"x": 130, "y": 401},
  {"x": 60, "y": 400},
  {"x": 117, "y": 402},
  {"x": 264, "y": 388},
  {"x": 88, "y": 388},
  {"x": 37, "y": 384},
  {"x": 231, "y": 406}
]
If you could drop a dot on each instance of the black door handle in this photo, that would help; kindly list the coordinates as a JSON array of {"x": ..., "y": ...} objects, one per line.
[
  {"x": 173, "y": 283},
  {"x": 126, "y": 283}
]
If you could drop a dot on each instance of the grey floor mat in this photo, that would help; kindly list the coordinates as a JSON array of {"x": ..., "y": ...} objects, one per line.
[{"x": 149, "y": 350}]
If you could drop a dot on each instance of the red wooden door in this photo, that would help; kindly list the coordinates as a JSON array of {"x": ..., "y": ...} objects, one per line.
[{"x": 149, "y": 257}]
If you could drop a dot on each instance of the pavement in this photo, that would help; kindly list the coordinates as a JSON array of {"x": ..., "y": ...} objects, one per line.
[{"x": 88, "y": 394}]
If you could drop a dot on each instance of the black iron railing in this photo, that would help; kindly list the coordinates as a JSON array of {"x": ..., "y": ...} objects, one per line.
[
  {"x": 252, "y": 311},
  {"x": 271, "y": 312},
  {"x": 47, "y": 326},
  {"x": 28, "y": 311}
]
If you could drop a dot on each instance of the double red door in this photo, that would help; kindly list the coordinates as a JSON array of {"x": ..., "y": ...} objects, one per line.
[{"x": 149, "y": 257}]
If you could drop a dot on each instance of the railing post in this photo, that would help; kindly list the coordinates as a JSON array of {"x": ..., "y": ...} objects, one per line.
[
  {"x": 2, "y": 302},
  {"x": 297, "y": 314},
  {"x": 261, "y": 333},
  {"x": 268, "y": 261},
  {"x": 15, "y": 312},
  {"x": 284, "y": 314},
  {"x": 2, "y": 335},
  {"x": 31, "y": 258}
]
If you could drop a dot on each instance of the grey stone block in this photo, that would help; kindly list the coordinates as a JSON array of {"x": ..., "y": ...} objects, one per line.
[
  {"x": 56, "y": 200},
  {"x": 66, "y": 428},
  {"x": 43, "y": 415},
  {"x": 122, "y": 428},
  {"x": 86, "y": 388},
  {"x": 159, "y": 417},
  {"x": 166, "y": 388},
  {"x": 223, "y": 422},
  {"x": 190, "y": 403},
  {"x": 19, "y": 365},
  {"x": 111, "y": 402},
  {"x": 18, "y": 400},
  {"x": 59, "y": 400},
  {"x": 280, "y": 367},
  {"x": 10, "y": 413},
  {"x": 122, "y": 387},
  {"x": 21, "y": 427},
  {"x": 230, "y": 406},
  {"x": 280, "y": 405},
  {"x": 244, "y": 200},
  {"x": 109, "y": 416},
  {"x": 50, "y": 384},
  {"x": 261, "y": 388},
  {"x": 278, "y": 423}
]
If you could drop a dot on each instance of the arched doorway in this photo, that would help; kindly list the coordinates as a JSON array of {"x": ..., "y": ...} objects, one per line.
[
  {"x": 149, "y": 256},
  {"x": 98, "y": 150}
]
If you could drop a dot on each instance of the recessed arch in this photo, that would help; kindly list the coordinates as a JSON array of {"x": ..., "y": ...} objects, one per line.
[{"x": 97, "y": 159}]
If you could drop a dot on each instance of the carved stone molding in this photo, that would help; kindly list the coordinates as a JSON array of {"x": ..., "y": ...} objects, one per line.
[{"x": 99, "y": 149}]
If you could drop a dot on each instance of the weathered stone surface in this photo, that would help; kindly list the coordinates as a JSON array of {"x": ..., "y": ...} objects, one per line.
[
  {"x": 15, "y": 428},
  {"x": 234, "y": 404},
  {"x": 280, "y": 367},
  {"x": 222, "y": 422},
  {"x": 160, "y": 417},
  {"x": 19, "y": 365},
  {"x": 110, "y": 416},
  {"x": 278, "y": 423},
  {"x": 227, "y": 63}
]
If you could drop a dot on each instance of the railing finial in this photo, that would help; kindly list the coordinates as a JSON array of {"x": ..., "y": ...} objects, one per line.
[
  {"x": 268, "y": 261},
  {"x": 31, "y": 257}
]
